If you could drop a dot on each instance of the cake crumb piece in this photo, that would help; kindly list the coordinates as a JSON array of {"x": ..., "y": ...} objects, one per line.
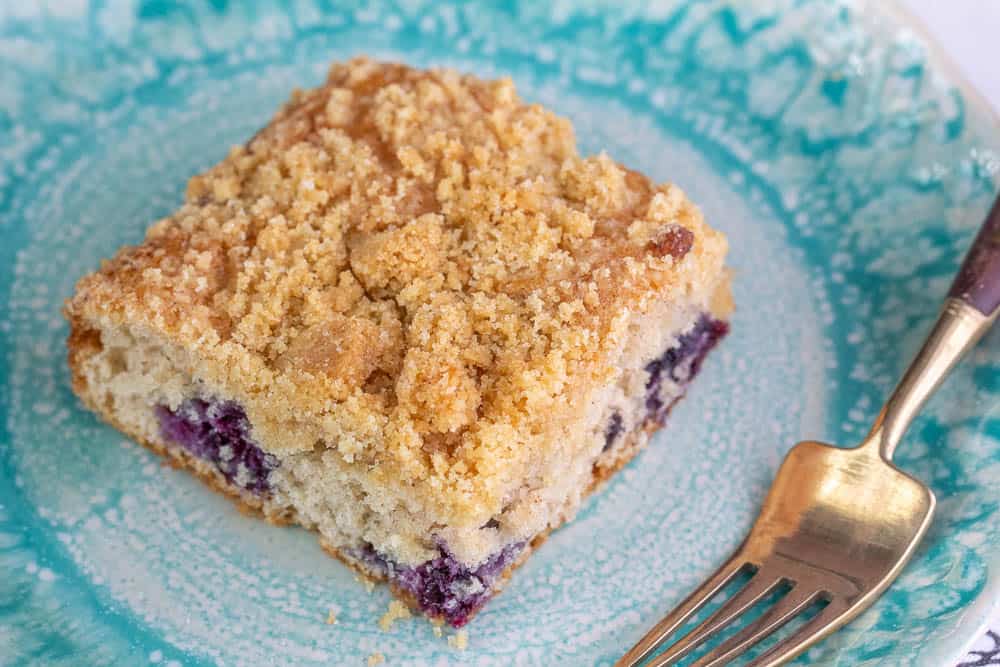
[
  {"x": 369, "y": 584},
  {"x": 459, "y": 640},
  {"x": 375, "y": 658},
  {"x": 331, "y": 618},
  {"x": 397, "y": 610},
  {"x": 437, "y": 630}
]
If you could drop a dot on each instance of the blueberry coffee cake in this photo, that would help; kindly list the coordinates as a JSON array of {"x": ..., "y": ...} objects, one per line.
[{"x": 407, "y": 314}]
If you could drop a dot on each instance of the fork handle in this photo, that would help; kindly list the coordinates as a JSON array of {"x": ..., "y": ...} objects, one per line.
[
  {"x": 978, "y": 281},
  {"x": 970, "y": 309}
]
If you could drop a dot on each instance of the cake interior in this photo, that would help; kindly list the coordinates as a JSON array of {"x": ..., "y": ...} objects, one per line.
[{"x": 217, "y": 433}]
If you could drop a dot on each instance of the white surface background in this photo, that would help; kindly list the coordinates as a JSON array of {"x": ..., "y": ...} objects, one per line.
[{"x": 969, "y": 31}]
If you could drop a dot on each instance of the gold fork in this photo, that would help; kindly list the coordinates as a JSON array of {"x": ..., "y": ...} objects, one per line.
[{"x": 838, "y": 525}]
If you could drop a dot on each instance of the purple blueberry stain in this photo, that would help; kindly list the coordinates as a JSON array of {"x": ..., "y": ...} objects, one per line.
[
  {"x": 219, "y": 432},
  {"x": 444, "y": 587},
  {"x": 688, "y": 353}
]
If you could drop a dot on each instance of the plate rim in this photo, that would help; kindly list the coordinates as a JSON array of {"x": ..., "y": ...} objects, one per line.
[{"x": 977, "y": 105}]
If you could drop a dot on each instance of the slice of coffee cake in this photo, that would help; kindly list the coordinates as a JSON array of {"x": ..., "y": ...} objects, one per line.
[{"x": 408, "y": 315}]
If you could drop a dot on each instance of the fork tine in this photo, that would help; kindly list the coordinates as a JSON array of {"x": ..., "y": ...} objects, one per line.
[
  {"x": 682, "y": 612},
  {"x": 762, "y": 583},
  {"x": 833, "y": 616},
  {"x": 791, "y": 605}
]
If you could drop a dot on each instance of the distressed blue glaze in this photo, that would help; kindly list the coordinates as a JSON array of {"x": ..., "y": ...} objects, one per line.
[{"x": 848, "y": 171}]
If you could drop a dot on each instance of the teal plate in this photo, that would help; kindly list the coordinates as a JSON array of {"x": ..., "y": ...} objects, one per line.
[{"x": 847, "y": 167}]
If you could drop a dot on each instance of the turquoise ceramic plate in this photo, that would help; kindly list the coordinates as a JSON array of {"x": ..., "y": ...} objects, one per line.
[{"x": 847, "y": 169}]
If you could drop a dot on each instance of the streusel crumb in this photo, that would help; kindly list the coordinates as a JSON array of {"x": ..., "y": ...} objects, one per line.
[
  {"x": 375, "y": 658},
  {"x": 414, "y": 269},
  {"x": 459, "y": 640},
  {"x": 397, "y": 610}
]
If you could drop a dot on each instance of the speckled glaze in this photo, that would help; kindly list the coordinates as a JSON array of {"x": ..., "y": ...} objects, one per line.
[{"x": 848, "y": 172}]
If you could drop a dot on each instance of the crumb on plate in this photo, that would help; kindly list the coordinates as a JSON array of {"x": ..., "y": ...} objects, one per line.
[
  {"x": 459, "y": 640},
  {"x": 396, "y": 611}
]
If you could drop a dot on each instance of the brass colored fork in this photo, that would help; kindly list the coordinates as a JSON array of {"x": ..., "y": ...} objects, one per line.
[{"x": 838, "y": 525}]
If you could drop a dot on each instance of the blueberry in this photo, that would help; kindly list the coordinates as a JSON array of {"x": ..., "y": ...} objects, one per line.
[
  {"x": 219, "y": 432},
  {"x": 443, "y": 586},
  {"x": 691, "y": 349}
]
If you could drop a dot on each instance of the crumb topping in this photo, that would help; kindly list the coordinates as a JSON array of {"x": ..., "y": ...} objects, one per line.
[{"x": 414, "y": 269}]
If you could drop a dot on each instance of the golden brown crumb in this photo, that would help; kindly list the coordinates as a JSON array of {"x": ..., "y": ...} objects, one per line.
[
  {"x": 414, "y": 270},
  {"x": 459, "y": 640},
  {"x": 397, "y": 610},
  {"x": 437, "y": 629},
  {"x": 331, "y": 618},
  {"x": 375, "y": 658}
]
